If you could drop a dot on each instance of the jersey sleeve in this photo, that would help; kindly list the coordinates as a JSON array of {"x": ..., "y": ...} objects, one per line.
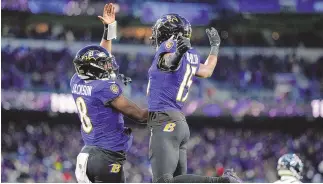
[
  {"x": 168, "y": 46},
  {"x": 199, "y": 61},
  {"x": 109, "y": 92}
]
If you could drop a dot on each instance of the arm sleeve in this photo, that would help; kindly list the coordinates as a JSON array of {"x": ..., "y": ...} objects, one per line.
[
  {"x": 109, "y": 92},
  {"x": 168, "y": 46}
]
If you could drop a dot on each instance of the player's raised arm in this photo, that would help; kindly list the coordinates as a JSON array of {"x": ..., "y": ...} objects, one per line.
[
  {"x": 129, "y": 109},
  {"x": 206, "y": 70},
  {"x": 170, "y": 61},
  {"x": 110, "y": 26}
]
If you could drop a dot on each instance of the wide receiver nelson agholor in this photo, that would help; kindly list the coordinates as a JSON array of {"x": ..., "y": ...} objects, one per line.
[{"x": 170, "y": 77}]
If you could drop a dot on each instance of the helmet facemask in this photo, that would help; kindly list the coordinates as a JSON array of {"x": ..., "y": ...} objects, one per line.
[
  {"x": 110, "y": 67},
  {"x": 103, "y": 67},
  {"x": 155, "y": 34}
]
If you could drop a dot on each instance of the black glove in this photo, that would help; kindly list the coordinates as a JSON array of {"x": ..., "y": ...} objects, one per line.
[
  {"x": 124, "y": 79},
  {"x": 183, "y": 44},
  {"x": 214, "y": 39}
]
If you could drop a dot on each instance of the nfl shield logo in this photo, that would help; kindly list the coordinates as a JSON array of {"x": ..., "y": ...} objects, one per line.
[{"x": 114, "y": 88}]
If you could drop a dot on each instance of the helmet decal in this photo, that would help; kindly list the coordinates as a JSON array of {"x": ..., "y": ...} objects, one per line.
[{"x": 171, "y": 18}]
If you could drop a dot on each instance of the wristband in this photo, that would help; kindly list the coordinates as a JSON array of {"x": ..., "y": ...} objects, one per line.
[
  {"x": 214, "y": 50},
  {"x": 110, "y": 31}
]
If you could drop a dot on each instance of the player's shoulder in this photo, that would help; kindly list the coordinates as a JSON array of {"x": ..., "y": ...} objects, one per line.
[
  {"x": 74, "y": 79},
  {"x": 106, "y": 90},
  {"x": 107, "y": 86},
  {"x": 193, "y": 51},
  {"x": 167, "y": 46}
]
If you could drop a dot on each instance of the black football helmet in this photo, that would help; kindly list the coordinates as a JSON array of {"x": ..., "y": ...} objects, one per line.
[
  {"x": 95, "y": 62},
  {"x": 168, "y": 25}
]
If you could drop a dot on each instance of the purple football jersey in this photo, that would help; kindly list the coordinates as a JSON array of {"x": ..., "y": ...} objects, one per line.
[
  {"x": 101, "y": 126},
  {"x": 169, "y": 90}
]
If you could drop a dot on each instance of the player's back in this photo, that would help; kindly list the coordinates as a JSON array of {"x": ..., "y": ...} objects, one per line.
[
  {"x": 101, "y": 125},
  {"x": 168, "y": 90}
]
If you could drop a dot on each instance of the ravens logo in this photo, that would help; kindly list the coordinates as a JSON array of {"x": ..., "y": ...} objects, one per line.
[{"x": 171, "y": 18}]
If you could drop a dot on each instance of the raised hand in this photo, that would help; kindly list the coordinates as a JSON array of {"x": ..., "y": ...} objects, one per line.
[
  {"x": 214, "y": 37},
  {"x": 108, "y": 14}
]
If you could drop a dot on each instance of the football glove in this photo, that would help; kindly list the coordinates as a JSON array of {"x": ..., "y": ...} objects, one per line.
[
  {"x": 214, "y": 39},
  {"x": 124, "y": 79},
  {"x": 183, "y": 44}
]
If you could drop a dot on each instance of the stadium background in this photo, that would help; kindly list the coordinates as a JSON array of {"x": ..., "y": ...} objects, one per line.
[{"x": 264, "y": 99}]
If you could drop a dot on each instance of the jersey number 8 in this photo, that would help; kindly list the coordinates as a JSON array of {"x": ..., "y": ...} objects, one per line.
[{"x": 85, "y": 119}]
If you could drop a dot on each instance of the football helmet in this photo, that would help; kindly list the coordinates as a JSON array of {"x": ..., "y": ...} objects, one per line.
[
  {"x": 169, "y": 25},
  {"x": 95, "y": 62}
]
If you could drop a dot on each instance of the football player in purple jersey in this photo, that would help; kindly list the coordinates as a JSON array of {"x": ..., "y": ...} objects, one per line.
[
  {"x": 101, "y": 105},
  {"x": 175, "y": 65}
]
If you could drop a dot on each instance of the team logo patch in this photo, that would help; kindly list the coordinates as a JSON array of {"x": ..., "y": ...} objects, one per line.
[
  {"x": 169, "y": 45},
  {"x": 114, "y": 88}
]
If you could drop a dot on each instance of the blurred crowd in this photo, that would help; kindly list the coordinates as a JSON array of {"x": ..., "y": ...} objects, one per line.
[
  {"x": 44, "y": 70},
  {"x": 40, "y": 152},
  {"x": 26, "y": 68},
  {"x": 137, "y": 35},
  {"x": 141, "y": 34},
  {"x": 46, "y": 152}
]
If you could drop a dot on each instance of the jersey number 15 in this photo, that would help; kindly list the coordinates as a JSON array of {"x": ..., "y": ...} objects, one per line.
[
  {"x": 186, "y": 83},
  {"x": 187, "y": 80}
]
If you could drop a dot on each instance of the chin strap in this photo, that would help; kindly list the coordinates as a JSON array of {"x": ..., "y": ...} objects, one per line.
[{"x": 110, "y": 31}]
